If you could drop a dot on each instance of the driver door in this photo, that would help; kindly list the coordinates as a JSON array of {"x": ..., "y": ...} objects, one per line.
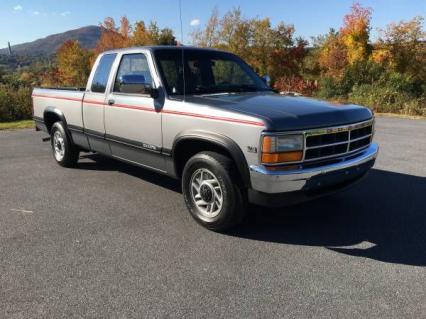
[{"x": 132, "y": 123}]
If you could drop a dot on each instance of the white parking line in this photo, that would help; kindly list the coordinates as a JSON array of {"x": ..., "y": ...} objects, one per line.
[{"x": 22, "y": 211}]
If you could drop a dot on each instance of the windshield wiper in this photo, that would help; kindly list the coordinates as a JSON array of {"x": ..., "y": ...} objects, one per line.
[{"x": 229, "y": 89}]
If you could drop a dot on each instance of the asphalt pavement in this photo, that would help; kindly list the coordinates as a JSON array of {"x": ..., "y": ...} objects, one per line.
[{"x": 109, "y": 240}]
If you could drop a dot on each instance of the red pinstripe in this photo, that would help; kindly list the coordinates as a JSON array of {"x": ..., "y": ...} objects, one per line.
[
  {"x": 218, "y": 118},
  {"x": 147, "y": 109},
  {"x": 93, "y": 102},
  {"x": 56, "y": 97}
]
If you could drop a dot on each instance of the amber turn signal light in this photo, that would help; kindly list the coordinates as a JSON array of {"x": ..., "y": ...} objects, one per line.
[
  {"x": 273, "y": 158},
  {"x": 268, "y": 144}
]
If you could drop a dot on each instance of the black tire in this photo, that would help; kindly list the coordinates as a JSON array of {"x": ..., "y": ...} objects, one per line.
[
  {"x": 70, "y": 154},
  {"x": 234, "y": 201}
]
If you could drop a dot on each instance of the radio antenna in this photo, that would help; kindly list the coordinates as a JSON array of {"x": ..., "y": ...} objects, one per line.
[
  {"x": 181, "y": 43},
  {"x": 181, "y": 24}
]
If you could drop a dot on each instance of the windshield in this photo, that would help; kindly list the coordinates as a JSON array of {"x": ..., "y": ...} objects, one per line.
[{"x": 206, "y": 72}]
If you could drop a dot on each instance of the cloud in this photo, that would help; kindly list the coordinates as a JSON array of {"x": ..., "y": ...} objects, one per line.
[
  {"x": 195, "y": 22},
  {"x": 18, "y": 8},
  {"x": 65, "y": 13},
  {"x": 36, "y": 13}
]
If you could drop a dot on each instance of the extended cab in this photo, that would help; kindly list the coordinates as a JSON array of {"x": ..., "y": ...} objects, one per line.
[{"x": 205, "y": 117}]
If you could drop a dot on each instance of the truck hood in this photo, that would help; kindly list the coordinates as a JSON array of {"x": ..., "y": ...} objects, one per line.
[{"x": 286, "y": 112}]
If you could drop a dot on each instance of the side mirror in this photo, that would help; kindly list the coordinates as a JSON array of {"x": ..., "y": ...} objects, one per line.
[
  {"x": 136, "y": 84},
  {"x": 267, "y": 80}
]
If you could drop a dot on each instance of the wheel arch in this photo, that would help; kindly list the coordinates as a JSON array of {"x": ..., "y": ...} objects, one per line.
[
  {"x": 190, "y": 142},
  {"x": 51, "y": 115}
]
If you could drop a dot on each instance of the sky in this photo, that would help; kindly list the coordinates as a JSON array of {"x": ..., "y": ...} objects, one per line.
[{"x": 27, "y": 20}]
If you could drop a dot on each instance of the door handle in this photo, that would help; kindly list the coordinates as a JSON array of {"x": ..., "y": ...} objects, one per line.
[{"x": 111, "y": 102}]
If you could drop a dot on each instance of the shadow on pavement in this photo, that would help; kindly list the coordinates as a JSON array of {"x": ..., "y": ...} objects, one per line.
[{"x": 382, "y": 218}]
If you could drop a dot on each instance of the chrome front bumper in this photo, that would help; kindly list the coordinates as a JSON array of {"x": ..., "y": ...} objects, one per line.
[{"x": 272, "y": 182}]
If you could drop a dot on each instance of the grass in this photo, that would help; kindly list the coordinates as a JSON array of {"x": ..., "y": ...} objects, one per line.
[
  {"x": 388, "y": 114},
  {"x": 404, "y": 116},
  {"x": 16, "y": 125}
]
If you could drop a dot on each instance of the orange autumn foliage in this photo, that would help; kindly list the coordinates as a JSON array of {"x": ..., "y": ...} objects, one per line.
[
  {"x": 348, "y": 46},
  {"x": 355, "y": 33},
  {"x": 111, "y": 36},
  {"x": 73, "y": 66}
]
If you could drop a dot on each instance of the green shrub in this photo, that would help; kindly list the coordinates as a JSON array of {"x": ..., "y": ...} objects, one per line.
[
  {"x": 329, "y": 88},
  {"x": 369, "y": 84},
  {"x": 361, "y": 72},
  {"x": 402, "y": 83},
  {"x": 388, "y": 98},
  {"x": 15, "y": 103},
  {"x": 380, "y": 98},
  {"x": 5, "y": 102},
  {"x": 415, "y": 106}
]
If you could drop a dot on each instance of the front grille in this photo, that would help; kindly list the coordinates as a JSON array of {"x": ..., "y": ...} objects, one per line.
[
  {"x": 323, "y": 139},
  {"x": 337, "y": 141},
  {"x": 325, "y": 151}
]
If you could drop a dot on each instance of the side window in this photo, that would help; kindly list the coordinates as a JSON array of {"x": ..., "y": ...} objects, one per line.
[
  {"x": 229, "y": 72},
  {"x": 103, "y": 70},
  {"x": 172, "y": 75},
  {"x": 133, "y": 64},
  {"x": 193, "y": 76}
]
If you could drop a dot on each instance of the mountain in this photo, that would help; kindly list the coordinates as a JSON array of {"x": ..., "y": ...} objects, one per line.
[{"x": 87, "y": 36}]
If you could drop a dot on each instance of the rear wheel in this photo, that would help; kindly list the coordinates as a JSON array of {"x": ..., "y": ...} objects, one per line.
[
  {"x": 212, "y": 191},
  {"x": 65, "y": 153}
]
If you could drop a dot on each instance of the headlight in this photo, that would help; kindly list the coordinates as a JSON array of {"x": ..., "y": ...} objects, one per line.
[{"x": 282, "y": 148}]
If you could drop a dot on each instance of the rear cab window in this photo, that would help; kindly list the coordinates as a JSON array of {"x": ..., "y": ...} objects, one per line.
[{"x": 100, "y": 79}]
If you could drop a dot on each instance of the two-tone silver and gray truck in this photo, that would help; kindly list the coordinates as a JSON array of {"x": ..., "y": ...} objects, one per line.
[{"x": 205, "y": 117}]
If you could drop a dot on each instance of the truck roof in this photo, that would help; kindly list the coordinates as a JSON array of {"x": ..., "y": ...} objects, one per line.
[{"x": 157, "y": 47}]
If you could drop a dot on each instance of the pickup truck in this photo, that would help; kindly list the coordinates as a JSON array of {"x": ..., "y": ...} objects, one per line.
[{"x": 205, "y": 117}]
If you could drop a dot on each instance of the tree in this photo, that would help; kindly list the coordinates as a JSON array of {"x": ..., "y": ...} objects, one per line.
[
  {"x": 404, "y": 45},
  {"x": 125, "y": 29},
  {"x": 355, "y": 33},
  {"x": 287, "y": 53},
  {"x": 141, "y": 36},
  {"x": 269, "y": 50},
  {"x": 154, "y": 32},
  {"x": 348, "y": 46},
  {"x": 208, "y": 37},
  {"x": 262, "y": 46},
  {"x": 167, "y": 37},
  {"x": 332, "y": 56},
  {"x": 73, "y": 64},
  {"x": 111, "y": 38}
]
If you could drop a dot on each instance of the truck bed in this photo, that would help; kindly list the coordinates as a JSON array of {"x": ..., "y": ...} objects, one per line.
[{"x": 68, "y": 100}]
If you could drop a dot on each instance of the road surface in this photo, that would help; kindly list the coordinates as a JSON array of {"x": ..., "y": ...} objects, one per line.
[{"x": 108, "y": 240}]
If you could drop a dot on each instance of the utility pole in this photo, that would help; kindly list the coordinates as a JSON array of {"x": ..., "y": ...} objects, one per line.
[{"x": 10, "y": 48}]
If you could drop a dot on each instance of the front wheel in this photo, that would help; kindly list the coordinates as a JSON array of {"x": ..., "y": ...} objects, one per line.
[
  {"x": 65, "y": 153},
  {"x": 212, "y": 191}
]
